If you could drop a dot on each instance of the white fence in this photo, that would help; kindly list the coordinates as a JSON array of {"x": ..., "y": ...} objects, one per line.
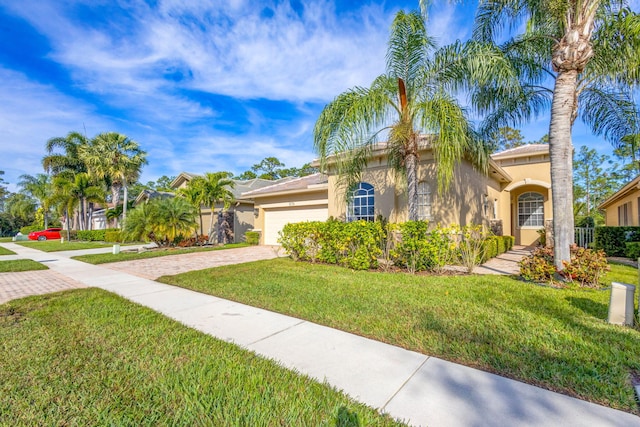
[{"x": 584, "y": 236}]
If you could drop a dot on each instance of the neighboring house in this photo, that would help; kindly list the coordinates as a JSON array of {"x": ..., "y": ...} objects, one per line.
[
  {"x": 240, "y": 214},
  {"x": 514, "y": 198},
  {"x": 623, "y": 207}
]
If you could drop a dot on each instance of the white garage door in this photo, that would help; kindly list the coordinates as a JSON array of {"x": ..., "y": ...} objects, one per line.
[{"x": 275, "y": 219}]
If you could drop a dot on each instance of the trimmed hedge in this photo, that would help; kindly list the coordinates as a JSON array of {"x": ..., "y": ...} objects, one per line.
[
  {"x": 632, "y": 250},
  {"x": 252, "y": 237},
  {"x": 95, "y": 235},
  {"x": 612, "y": 240},
  {"x": 113, "y": 236},
  {"x": 360, "y": 244}
]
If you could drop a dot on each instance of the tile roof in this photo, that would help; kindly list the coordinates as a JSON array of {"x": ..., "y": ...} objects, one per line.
[
  {"x": 523, "y": 150},
  {"x": 295, "y": 184}
]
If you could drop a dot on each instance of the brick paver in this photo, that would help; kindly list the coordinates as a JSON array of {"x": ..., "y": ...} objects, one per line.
[
  {"x": 152, "y": 268},
  {"x": 27, "y": 283},
  {"x": 506, "y": 263}
]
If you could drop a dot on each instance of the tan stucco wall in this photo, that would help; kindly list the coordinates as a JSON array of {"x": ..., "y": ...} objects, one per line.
[
  {"x": 311, "y": 198},
  {"x": 463, "y": 202},
  {"x": 611, "y": 212},
  {"x": 528, "y": 235},
  {"x": 243, "y": 219}
]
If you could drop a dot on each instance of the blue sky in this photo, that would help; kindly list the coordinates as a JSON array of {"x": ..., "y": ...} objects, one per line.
[{"x": 200, "y": 85}]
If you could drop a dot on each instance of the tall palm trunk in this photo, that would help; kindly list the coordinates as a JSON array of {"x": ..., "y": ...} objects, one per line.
[
  {"x": 115, "y": 199},
  {"x": 561, "y": 150},
  {"x": 412, "y": 179},
  {"x": 570, "y": 57},
  {"x": 124, "y": 204},
  {"x": 211, "y": 236}
]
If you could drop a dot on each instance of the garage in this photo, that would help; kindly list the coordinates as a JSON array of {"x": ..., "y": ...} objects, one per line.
[{"x": 276, "y": 218}]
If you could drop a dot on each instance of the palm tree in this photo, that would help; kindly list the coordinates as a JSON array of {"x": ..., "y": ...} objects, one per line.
[
  {"x": 117, "y": 159},
  {"x": 66, "y": 163},
  {"x": 410, "y": 100},
  {"x": 77, "y": 194},
  {"x": 39, "y": 188},
  {"x": 215, "y": 187},
  {"x": 590, "y": 51},
  {"x": 161, "y": 220},
  {"x": 194, "y": 195}
]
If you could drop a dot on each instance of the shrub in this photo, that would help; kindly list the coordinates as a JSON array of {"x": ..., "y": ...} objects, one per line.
[
  {"x": 91, "y": 235},
  {"x": 419, "y": 249},
  {"x": 112, "y": 236},
  {"x": 185, "y": 242},
  {"x": 354, "y": 244},
  {"x": 472, "y": 246},
  {"x": 164, "y": 221},
  {"x": 585, "y": 269},
  {"x": 30, "y": 228},
  {"x": 538, "y": 267},
  {"x": 632, "y": 250},
  {"x": 252, "y": 237},
  {"x": 612, "y": 239}
]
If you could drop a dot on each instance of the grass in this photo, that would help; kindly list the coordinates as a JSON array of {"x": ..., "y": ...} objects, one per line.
[
  {"x": 87, "y": 357},
  {"x": 57, "y": 245},
  {"x": 21, "y": 265},
  {"x": 129, "y": 256},
  {"x": 5, "y": 251},
  {"x": 555, "y": 338},
  {"x": 6, "y": 239}
]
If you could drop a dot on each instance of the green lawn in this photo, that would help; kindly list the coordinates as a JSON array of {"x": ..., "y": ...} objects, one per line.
[
  {"x": 57, "y": 245},
  {"x": 88, "y": 357},
  {"x": 555, "y": 338},
  {"x": 129, "y": 256},
  {"x": 6, "y": 239},
  {"x": 21, "y": 265},
  {"x": 5, "y": 251}
]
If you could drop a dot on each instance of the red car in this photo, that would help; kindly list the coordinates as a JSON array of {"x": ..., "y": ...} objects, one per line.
[{"x": 49, "y": 233}]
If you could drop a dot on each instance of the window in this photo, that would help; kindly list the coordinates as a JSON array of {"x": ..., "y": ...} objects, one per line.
[
  {"x": 361, "y": 205},
  {"x": 530, "y": 210},
  {"x": 624, "y": 214},
  {"x": 424, "y": 201}
]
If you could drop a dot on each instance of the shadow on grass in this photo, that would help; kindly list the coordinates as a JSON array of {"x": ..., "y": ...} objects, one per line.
[
  {"x": 347, "y": 418},
  {"x": 590, "y": 307}
]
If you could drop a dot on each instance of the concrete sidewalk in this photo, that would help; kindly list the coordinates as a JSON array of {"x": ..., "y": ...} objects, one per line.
[{"x": 416, "y": 388}]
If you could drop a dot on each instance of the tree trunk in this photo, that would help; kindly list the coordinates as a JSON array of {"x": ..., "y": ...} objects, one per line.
[
  {"x": 561, "y": 152},
  {"x": 201, "y": 225},
  {"x": 412, "y": 178},
  {"x": 211, "y": 226},
  {"x": 115, "y": 199},
  {"x": 124, "y": 204}
]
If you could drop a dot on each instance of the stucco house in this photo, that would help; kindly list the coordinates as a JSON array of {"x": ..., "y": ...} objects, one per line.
[
  {"x": 240, "y": 215},
  {"x": 513, "y": 198},
  {"x": 623, "y": 207}
]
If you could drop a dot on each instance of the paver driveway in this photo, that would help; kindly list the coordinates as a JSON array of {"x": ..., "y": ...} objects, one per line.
[
  {"x": 152, "y": 268},
  {"x": 27, "y": 283}
]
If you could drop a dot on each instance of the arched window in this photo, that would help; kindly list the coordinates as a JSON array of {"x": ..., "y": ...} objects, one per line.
[
  {"x": 361, "y": 204},
  {"x": 531, "y": 210},
  {"x": 424, "y": 201}
]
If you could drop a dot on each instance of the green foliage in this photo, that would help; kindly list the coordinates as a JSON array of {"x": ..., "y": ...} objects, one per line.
[
  {"x": 418, "y": 249},
  {"x": 163, "y": 220},
  {"x": 91, "y": 235},
  {"x": 353, "y": 244},
  {"x": 411, "y": 245},
  {"x": 586, "y": 268},
  {"x": 252, "y": 237},
  {"x": 612, "y": 240},
  {"x": 113, "y": 235},
  {"x": 632, "y": 250},
  {"x": 29, "y": 228}
]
